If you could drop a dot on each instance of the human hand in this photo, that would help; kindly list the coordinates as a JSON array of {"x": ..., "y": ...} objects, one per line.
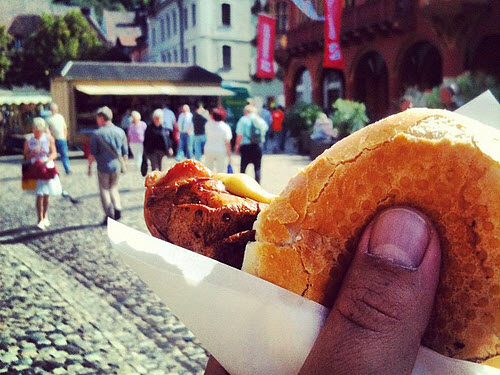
[{"x": 383, "y": 307}]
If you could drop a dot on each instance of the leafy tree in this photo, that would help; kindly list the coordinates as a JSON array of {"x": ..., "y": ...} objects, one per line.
[
  {"x": 4, "y": 58},
  {"x": 57, "y": 40}
]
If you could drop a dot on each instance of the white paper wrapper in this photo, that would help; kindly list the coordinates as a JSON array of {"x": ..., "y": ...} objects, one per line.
[{"x": 250, "y": 326}]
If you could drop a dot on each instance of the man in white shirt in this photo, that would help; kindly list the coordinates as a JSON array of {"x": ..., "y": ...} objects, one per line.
[
  {"x": 218, "y": 145},
  {"x": 186, "y": 129},
  {"x": 59, "y": 131}
]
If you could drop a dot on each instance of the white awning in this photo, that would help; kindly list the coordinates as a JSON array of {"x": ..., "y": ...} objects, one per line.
[
  {"x": 24, "y": 96},
  {"x": 154, "y": 90}
]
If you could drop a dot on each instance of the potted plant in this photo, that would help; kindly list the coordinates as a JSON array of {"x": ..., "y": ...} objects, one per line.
[
  {"x": 299, "y": 121},
  {"x": 348, "y": 117}
]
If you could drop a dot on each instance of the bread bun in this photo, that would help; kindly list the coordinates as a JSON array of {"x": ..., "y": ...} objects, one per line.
[{"x": 441, "y": 163}]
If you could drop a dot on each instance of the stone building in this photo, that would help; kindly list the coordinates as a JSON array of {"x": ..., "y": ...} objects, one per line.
[
  {"x": 213, "y": 34},
  {"x": 388, "y": 45}
]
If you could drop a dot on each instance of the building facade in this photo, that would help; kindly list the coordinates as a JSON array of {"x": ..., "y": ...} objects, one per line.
[
  {"x": 387, "y": 45},
  {"x": 214, "y": 34}
]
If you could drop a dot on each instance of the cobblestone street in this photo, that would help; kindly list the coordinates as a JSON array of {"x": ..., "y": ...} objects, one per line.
[{"x": 67, "y": 304}]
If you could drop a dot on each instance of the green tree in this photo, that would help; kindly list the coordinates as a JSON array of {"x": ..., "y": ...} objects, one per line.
[
  {"x": 4, "y": 58},
  {"x": 57, "y": 40}
]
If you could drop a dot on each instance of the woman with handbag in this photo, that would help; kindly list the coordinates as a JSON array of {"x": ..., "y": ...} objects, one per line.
[{"x": 41, "y": 151}]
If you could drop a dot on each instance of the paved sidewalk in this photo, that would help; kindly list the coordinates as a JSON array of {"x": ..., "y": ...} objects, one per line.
[{"x": 67, "y": 304}]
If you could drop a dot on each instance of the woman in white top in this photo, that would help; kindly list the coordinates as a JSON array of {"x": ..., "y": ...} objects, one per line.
[
  {"x": 41, "y": 147},
  {"x": 218, "y": 144}
]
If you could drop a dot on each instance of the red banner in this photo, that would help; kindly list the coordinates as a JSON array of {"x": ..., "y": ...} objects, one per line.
[
  {"x": 332, "y": 55},
  {"x": 266, "y": 30}
]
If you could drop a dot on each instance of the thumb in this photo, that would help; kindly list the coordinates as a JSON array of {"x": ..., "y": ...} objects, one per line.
[{"x": 383, "y": 307}]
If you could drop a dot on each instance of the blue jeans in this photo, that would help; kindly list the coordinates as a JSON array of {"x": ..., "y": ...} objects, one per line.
[
  {"x": 185, "y": 146},
  {"x": 199, "y": 146},
  {"x": 62, "y": 148}
]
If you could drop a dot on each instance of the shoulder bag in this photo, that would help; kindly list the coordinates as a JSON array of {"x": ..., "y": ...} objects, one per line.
[{"x": 123, "y": 165}]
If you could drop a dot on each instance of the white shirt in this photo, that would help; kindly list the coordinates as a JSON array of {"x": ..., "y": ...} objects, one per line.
[
  {"x": 218, "y": 133},
  {"x": 185, "y": 122},
  {"x": 57, "y": 126}
]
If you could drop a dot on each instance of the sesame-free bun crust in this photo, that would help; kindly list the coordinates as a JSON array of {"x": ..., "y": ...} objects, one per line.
[{"x": 441, "y": 163}]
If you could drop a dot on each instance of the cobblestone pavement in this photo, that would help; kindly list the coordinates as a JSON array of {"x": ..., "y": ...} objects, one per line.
[{"x": 67, "y": 304}]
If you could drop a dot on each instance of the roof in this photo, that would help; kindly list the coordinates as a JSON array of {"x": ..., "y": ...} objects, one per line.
[
  {"x": 115, "y": 71},
  {"x": 24, "y": 24},
  {"x": 122, "y": 26},
  {"x": 127, "y": 40}
]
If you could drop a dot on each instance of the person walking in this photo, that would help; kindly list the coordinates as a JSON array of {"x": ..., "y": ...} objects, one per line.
[
  {"x": 157, "y": 141},
  {"x": 136, "y": 137},
  {"x": 250, "y": 135},
  {"x": 200, "y": 118},
  {"x": 41, "y": 151},
  {"x": 279, "y": 133},
  {"x": 59, "y": 130},
  {"x": 265, "y": 113},
  {"x": 218, "y": 145},
  {"x": 186, "y": 129},
  {"x": 108, "y": 147}
]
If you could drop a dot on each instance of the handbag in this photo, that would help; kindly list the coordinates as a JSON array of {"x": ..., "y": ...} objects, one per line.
[
  {"x": 144, "y": 166},
  {"x": 123, "y": 165},
  {"x": 28, "y": 182}
]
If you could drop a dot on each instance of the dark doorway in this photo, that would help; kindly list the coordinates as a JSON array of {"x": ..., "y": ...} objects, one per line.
[
  {"x": 371, "y": 85},
  {"x": 333, "y": 87},
  {"x": 486, "y": 56},
  {"x": 421, "y": 66}
]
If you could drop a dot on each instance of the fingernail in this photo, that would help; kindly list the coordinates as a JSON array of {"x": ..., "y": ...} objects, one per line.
[{"x": 400, "y": 235}]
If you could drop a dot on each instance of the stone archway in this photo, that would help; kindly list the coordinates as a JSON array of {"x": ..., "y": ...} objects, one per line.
[
  {"x": 485, "y": 57},
  {"x": 371, "y": 84},
  {"x": 303, "y": 87},
  {"x": 420, "y": 66},
  {"x": 332, "y": 87}
]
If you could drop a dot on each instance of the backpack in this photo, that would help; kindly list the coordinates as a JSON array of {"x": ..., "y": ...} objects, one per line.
[{"x": 257, "y": 135}]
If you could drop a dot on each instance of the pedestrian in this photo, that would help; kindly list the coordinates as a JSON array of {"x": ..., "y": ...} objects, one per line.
[
  {"x": 200, "y": 118},
  {"x": 108, "y": 147},
  {"x": 59, "y": 131},
  {"x": 447, "y": 94},
  {"x": 156, "y": 141},
  {"x": 126, "y": 121},
  {"x": 136, "y": 137},
  {"x": 186, "y": 129},
  {"x": 170, "y": 123},
  {"x": 266, "y": 115},
  {"x": 278, "y": 115},
  {"x": 250, "y": 135},
  {"x": 218, "y": 145},
  {"x": 41, "y": 151}
]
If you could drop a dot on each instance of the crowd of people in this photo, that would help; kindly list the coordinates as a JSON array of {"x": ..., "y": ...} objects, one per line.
[{"x": 200, "y": 134}]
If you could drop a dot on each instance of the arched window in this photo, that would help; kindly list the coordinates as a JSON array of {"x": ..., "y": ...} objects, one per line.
[{"x": 333, "y": 87}]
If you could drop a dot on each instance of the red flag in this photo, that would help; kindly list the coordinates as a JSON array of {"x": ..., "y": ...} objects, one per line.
[
  {"x": 266, "y": 30},
  {"x": 332, "y": 55}
]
